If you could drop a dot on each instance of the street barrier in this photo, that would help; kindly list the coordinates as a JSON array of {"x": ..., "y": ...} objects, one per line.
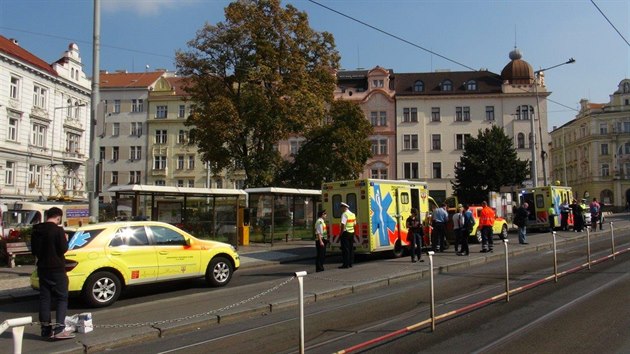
[{"x": 17, "y": 327}]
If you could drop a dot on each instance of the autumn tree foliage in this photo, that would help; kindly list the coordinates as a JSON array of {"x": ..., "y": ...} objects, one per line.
[{"x": 253, "y": 79}]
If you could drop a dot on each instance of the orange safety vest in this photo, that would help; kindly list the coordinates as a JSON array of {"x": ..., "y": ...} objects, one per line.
[
  {"x": 487, "y": 217},
  {"x": 350, "y": 221}
]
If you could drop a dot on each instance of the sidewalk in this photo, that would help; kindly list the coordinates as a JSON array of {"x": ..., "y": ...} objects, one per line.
[{"x": 150, "y": 320}]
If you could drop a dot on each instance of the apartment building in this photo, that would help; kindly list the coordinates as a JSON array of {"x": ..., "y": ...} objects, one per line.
[
  {"x": 122, "y": 129},
  {"x": 591, "y": 153},
  {"x": 373, "y": 90},
  {"x": 45, "y": 130},
  {"x": 437, "y": 112}
]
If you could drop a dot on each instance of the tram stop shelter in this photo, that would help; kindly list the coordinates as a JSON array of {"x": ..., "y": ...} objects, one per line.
[
  {"x": 204, "y": 212},
  {"x": 282, "y": 214}
]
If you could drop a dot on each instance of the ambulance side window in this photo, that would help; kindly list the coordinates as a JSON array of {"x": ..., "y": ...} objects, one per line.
[
  {"x": 404, "y": 198},
  {"x": 540, "y": 202},
  {"x": 336, "y": 199},
  {"x": 351, "y": 199}
]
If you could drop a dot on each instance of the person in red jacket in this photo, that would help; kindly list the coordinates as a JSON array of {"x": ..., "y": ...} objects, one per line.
[{"x": 486, "y": 221}]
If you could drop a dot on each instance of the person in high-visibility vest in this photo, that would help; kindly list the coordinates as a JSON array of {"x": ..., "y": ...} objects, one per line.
[
  {"x": 551, "y": 214},
  {"x": 486, "y": 221},
  {"x": 348, "y": 221},
  {"x": 321, "y": 234}
]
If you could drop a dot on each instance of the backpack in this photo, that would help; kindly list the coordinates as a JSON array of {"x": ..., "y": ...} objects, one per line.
[
  {"x": 594, "y": 209},
  {"x": 469, "y": 222}
]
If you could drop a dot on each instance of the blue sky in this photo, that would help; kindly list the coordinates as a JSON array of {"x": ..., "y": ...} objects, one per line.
[{"x": 477, "y": 34}]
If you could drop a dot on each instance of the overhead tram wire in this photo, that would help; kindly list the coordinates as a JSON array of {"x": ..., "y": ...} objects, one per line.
[
  {"x": 613, "y": 26},
  {"x": 416, "y": 45}
]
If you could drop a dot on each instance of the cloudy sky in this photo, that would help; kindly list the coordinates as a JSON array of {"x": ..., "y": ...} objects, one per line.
[{"x": 462, "y": 34}]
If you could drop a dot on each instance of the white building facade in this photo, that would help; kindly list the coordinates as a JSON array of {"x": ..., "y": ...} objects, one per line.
[{"x": 45, "y": 130}]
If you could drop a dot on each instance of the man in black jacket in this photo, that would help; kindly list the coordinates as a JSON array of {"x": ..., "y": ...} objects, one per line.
[{"x": 49, "y": 243}]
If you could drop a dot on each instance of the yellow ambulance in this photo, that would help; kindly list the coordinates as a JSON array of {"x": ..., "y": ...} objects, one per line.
[
  {"x": 539, "y": 200},
  {"x": 381, "y": 207}
]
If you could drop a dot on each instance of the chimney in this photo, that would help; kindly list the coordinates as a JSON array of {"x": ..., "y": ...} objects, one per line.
[{"x": 15, "y": 41}]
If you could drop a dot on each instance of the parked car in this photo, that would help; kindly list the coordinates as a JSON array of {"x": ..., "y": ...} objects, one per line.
[
  {"x": 499, "y": 227},
  {"x": 103, "y": 259}
]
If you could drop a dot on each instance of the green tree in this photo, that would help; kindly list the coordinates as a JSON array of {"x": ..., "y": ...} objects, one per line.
[
  {"x": 337, "y": 150},
  {"x": 255, "y": 78},
  {"x": 488, "y": 163}
]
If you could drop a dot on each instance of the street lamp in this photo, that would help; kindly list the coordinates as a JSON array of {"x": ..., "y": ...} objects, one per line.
[
  {"x": 543, "y": 154},
  {"x": 52, "y": 142}
]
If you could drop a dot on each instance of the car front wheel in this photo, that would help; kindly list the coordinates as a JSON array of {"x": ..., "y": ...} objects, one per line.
[
  {"x": 219, "y": 271},
  {"x": 101, "y": 289}
]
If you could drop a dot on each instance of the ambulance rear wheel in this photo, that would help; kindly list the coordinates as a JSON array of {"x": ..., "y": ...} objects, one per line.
[{"x": 398, "y": 250}]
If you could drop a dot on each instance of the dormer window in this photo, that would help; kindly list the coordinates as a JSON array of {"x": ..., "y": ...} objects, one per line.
[
  {"x": 378, "y": 83},
  {"x": 447, "y": 85},
  {"x": 418, "y": 86},
  {"x": 471, "y": 85}
]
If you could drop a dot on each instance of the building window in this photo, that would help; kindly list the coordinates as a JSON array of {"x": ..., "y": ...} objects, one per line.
[
  {"x": 160, "y": 136},
  {"x": 180, "y": 162},
  {"x": 115, "y": 153},
  {"x": 466, "y": 114},
  {"x": 159, "y": 162},
  {"x": 378, "y": 83},
  {"x": 9, "y": 172},
  {"x": 524, "y": 112},
  {"x": 413, "y": 114},
  {"x": 134, "y": 177},
  {"x": 161, "y": 111},
  {"x": 136, "y": 128},
  {"x": 34, "y": 176},
  {"x": 410, "y": 142},
  {"x": 294, "y": 147},
  {"x": 160, "y": 182},
  {"x": 72, "y": 142},
  {"x": 135, "y": 153},
  {"x": 191, "y": 183},
  {"x": 182, "y": 111},
  {"x": 418, "y": 86},
  {"x": 180, "y": 183},
  {"x": 437, "y": 170},
  {"x": 116, "y": 106},
  {"x": 447, "y": 85},
  {"x": 115, "y": 129},
  {"x": 14, "y": 88},
  {"x": 461, "y": 141},
  {"x": 603, "y": 149},
  {"x": 436, "y": 142},
  {"x": 182, "y": 137},
  {"x": 435, "y": 114},
  {"x": 114, "y": 177},
  {"x": 378, "y": 118},
  {"x": 12, "y": 132},
  {"x": 490, "y": 113},
  {"x": 459, "y": 115},
  {"x": 379, "y": 173},
  {"x": 410, "y": 170},
  {"x": 471, "y": 85},
  {"x": 137, "y": 105},
  {"x": 520, "y": 141},
  {"x": 603, "y": 128},
  {"x": 191, "y": 162},
  {"x": 38, "y": 135},
  {"x": 382, "y": 118},
  {"x": 379, "y": 147},
  {"x": 40, "y": 95},
  {"x": 605, "y": 170},
  {"x": 101, "y": 153}
]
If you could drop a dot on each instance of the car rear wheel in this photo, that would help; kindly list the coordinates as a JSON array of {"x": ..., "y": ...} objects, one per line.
[
  {"x": 219, "y": 272},
  {"x": 101, "y": 289},
  {"x": 478, "y": 237}
]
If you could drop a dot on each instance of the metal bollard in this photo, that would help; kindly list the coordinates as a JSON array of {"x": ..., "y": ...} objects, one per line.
[
  {"x": 431, "y": 253},
  {"x": 555, "y": 258},
  {"x": 300, "y": 276},
  {"x": 588, "y": 247},
  {"x": 612, "y": 239},
  {"x": 507, "y": 272}
]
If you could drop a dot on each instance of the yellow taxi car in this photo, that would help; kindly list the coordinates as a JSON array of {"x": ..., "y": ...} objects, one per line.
[
  {"x": 500, "y": 226},
  {"x": 103, "y": 259}
]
